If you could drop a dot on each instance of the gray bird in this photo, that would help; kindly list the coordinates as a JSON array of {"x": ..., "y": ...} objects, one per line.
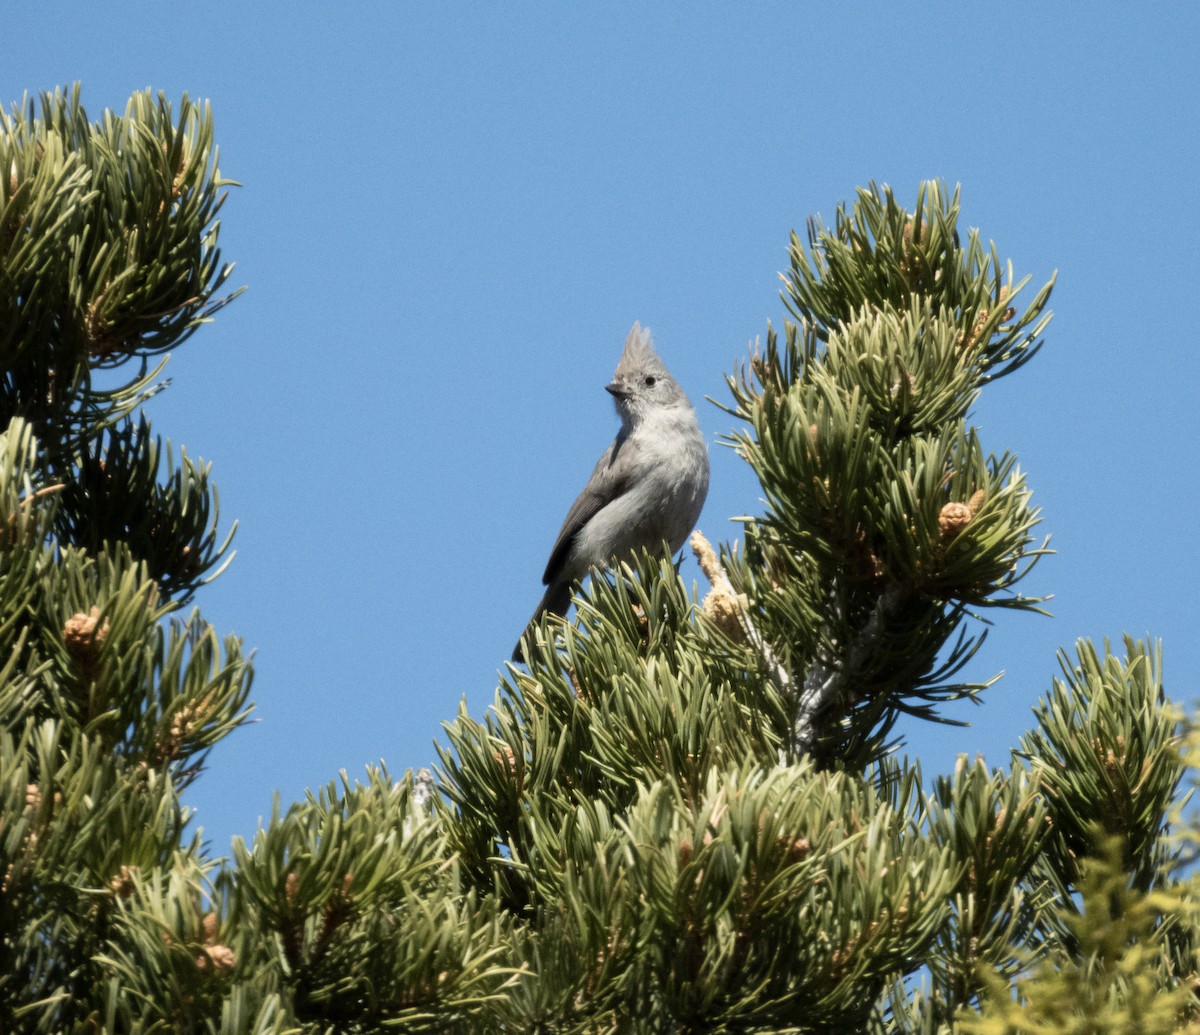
[{"x": 648, "y": 487}]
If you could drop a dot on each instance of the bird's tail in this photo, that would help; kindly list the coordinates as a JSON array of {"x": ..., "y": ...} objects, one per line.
[{"x": 555, "y": 600}]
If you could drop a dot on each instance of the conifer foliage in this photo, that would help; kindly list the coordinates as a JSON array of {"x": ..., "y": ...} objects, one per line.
[
  {"x": 685, "y": 814},
  {"x": 111, "y": 694}
]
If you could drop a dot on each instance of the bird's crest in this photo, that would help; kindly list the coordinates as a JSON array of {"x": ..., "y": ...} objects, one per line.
[{"x": 639, "y": 355}]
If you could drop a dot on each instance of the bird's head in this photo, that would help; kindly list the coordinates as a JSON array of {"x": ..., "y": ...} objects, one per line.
[{"x": 642, "y": 385}]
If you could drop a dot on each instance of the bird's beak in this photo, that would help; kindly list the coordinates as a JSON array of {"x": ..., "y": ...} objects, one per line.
[{"x": 617, "y": 389}]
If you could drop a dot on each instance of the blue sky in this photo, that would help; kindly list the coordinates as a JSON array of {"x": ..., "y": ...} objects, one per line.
[{"x": 451, "y": 215}]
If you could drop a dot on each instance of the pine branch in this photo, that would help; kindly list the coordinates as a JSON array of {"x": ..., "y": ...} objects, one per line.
[{"x": 828, "y": 680}]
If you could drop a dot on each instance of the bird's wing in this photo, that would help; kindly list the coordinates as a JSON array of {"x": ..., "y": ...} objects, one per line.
[{"x": 607, "y": 483}]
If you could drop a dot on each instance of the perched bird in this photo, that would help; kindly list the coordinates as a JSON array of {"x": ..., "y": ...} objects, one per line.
[{"x": 646, "y": 490}]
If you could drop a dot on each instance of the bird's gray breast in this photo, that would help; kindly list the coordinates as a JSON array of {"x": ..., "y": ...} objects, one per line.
[{"x": 668, "y": 478}]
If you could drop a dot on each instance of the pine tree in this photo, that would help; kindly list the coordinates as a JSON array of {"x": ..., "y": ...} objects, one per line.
[
  {"x": 686, "y": 814},
  {"x": 112, "y": 693}
]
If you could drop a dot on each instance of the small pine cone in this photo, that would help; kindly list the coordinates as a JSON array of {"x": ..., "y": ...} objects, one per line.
[
  {"x": 83, "y": 638},
  {"x": 121, "y": 884},
  {"x": 33, "y": 796},
  {"x": 218, "y": 957},
  {"x": 954, "y": 517},
  {"x": 980, "y": 321},
  {"x": 291, "y": 885},
  {"x": 975, "y": 503},
  {"x": 185, "y": 721}
]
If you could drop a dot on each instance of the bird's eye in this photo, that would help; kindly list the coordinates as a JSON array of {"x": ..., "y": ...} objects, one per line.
[{"x": 650, "y": 381}]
